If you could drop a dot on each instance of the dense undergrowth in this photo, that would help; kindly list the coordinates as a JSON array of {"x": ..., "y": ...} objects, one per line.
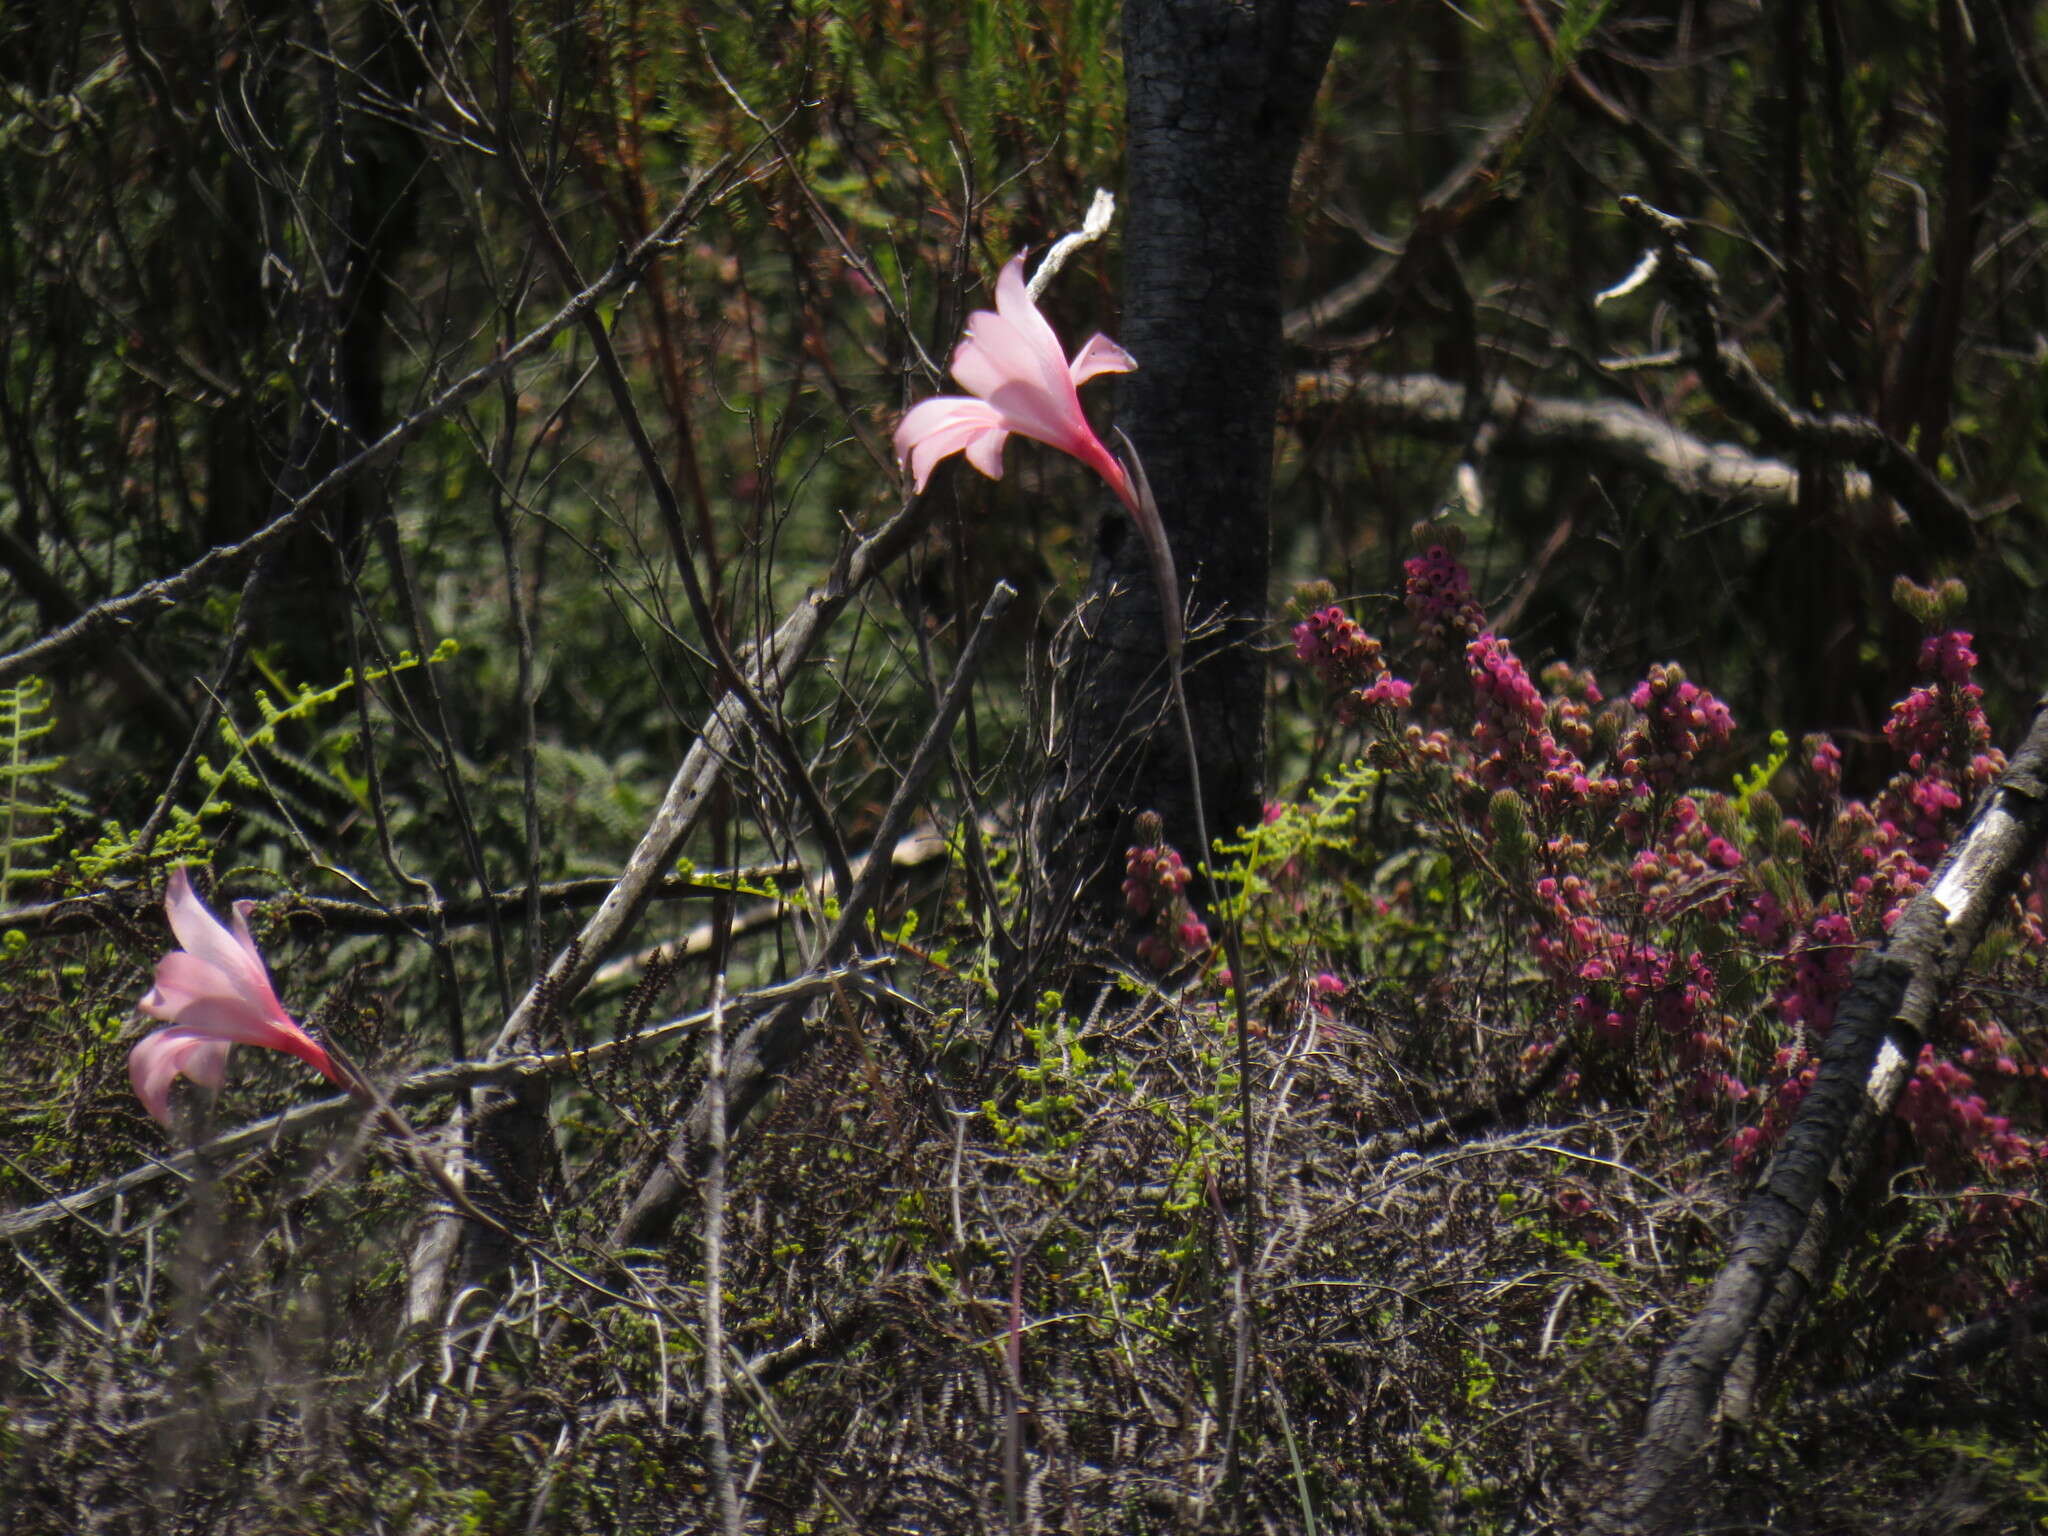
[
  {"x": 1537, "y": 977},
  {"x": 1558, "y": 886}
]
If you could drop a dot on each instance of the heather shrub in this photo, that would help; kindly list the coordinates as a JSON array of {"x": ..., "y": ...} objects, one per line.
[{"x": 1656, "y": 923}]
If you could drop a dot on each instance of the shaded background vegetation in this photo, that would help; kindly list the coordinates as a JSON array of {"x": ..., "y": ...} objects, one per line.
[{"x": 981, "y": 1247}]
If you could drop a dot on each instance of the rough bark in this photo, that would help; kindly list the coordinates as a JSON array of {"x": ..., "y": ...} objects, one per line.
[
  {"x": 1219, "y": 96},
  {"x": 1791, "y": 1224}
]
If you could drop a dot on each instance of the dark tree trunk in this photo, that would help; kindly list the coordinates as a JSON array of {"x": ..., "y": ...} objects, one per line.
[{"x": 1219, "y": 96}]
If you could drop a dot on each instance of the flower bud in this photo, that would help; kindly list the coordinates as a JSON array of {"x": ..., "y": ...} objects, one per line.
[
  {"x": 1766, "y": 815},
  {"x": 1509, "y": 816}
]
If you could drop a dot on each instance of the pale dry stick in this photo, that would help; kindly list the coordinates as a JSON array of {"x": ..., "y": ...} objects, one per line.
[
  {"x": 288, "y": 1125},
  {"x": 159, "y": 596},
  {"x": 714, "y": 1268},
  {"x": 91, "y": 912},
  {"x": 773, "y": 1043},
  {"x": 1529, "y": 425},
  {"x": 1094, "y": 225}
]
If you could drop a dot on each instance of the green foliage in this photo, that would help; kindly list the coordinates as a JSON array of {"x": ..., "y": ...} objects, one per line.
[
  {"x": 248, "y": 780},
  {"x": 1753, "y": 781},
  {"x": 30, "y": 818},
  {"x": 1431, "y": 1321},
  {"x": 1265, "y": 865}
]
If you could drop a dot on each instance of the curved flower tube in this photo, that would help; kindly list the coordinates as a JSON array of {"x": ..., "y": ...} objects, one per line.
[
  {"x": 1011, "y": 363},
  {"x": 215, "y": 994}
]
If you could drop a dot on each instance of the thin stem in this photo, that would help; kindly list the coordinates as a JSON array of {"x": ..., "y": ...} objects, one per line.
[
  {"x": 1145, "y": 513},
  {"x": 714, "y": 1271}
]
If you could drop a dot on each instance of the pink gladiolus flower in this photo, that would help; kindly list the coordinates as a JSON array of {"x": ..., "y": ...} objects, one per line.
[
  {"x": 215, "y": 994},
  {"x": 1013, "y": 365}
]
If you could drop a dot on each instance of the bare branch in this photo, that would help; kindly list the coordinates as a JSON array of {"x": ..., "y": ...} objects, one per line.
[
  {"x": 1736, "y": 385},
  {"x": 433, "y": 1082},
  {"x": 89, "y": 912},
  {"x": 1621, "y": 434},
  {"x": 153, "y": 598},
  {"x": 771, "y": 1046}
]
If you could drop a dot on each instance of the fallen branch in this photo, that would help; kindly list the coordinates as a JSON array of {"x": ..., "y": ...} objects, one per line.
[
  {"x": 774, "y": 1043},
  {"x": 90, "y": 912},
  {"x": 913, "y": 852},
  {"x": 1739, "y": 389},
  {"x": 1623, "y": 435},
  {"x": 1933, "y": 1361},
  {"x": 429, "y": 1083},
  {"x": 1787, "y": 1227}
]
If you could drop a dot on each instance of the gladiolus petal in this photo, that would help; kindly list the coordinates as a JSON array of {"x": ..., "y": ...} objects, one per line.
[
  {"x": 1013, "y": 303},
  {"x": 985, "y": 451},
  {"x": 1011, "y": 362},
  {"x": 945, "y": 425},
  {"x": 182, "y": 979},
  {"x": 215, "y": 994},
  {"x": 230, "y": 1022},
  {"x": 168, "y": 1055},
  {"x": 1099, "y": 354},
  {"x": 202, "y": 935}
]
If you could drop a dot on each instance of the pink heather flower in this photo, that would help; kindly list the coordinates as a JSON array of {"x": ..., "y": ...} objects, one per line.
[
  {"x": 1825, "y": 758},
  {"x": 215, "y": 994},
  {"x": 1821, "y": 964},
  {"x": 1680, "y": 720},
  {"x": 1348, "y": 661},
  {"x": 1948, "y": 657},
  {"x": 1011, "y": 362},
  {"x": 1438, "y": 591}
]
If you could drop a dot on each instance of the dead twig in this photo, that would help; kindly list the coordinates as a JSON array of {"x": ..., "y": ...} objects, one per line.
[
  {"x": 774, "y": 1043},
  {"x": 432, "y": 1082},
  {"x": 1738, "y": 388}
]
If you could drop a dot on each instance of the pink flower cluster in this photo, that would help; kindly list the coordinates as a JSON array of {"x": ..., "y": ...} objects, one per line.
[
  {"x": 1825, "y": 759},
  {"x": 1941, "y": 723},
  {"x": 1155, "y": 892},
  {"x": 1348, "y": 662},
  {"x": 1689, "y": 869},
  {"x": 1512, "y": 728},
  {"x": 1955, "y": 1130},
  {"x": 1821, "y": 959},
  {"x": 1686, "y": 925},
  {"x": 1678, "y": 722},
  {"x": 1439, "y": 597}
]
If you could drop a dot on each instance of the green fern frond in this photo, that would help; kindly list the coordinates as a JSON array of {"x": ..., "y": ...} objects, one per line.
[{"x": 28, "y": 821}]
